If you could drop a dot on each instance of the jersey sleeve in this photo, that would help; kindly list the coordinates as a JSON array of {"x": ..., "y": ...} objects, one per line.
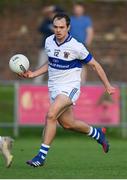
[
  {"x": 84, "y": 54},
  {"x": 45, "y": 43},
  {"x": 46, "y": 46}
]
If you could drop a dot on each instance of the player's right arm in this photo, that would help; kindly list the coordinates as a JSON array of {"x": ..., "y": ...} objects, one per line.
[
  {"x": 87, "y": 58},
  {"x": 98, "y": 68},
  {"x": 32, "y": 74}
]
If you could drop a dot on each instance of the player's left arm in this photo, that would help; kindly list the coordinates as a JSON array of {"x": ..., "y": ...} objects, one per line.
[{"x": 98, "y": 68}]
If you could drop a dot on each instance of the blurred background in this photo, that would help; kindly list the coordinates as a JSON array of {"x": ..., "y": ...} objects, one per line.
[
  {"x": 24, "y": 25},
  {"x": 19, "y": 33}
]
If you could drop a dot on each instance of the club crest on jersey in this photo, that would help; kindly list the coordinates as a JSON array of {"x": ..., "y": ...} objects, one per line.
[{"x": 66, "y": 54}]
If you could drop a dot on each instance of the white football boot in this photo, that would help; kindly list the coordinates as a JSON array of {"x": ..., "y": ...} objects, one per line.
[{"x": 5, "y": 147}]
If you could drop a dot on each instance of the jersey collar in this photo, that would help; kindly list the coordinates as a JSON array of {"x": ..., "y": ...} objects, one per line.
[{"x": 69, "y": 37}]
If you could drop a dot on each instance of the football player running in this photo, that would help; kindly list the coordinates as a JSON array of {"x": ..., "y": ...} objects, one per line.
[{"x": 66, "y": 57}]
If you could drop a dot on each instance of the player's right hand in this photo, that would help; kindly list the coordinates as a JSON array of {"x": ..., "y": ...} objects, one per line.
[
  {"x": 28, "y": 74},
  {"x": 110, "y": 90}
]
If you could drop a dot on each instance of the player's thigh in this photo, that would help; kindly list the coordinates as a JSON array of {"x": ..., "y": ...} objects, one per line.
[
  {"x": 67, "y": 117},
  {"x": 57, "y": 107}
]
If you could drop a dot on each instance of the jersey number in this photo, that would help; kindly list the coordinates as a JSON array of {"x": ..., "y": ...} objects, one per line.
[{"x": 56, "y": 53}]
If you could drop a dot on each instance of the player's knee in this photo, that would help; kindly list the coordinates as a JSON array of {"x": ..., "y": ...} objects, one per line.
[
  {"x": 50, "y": 116},
  {"x": 68, "y": 126}
]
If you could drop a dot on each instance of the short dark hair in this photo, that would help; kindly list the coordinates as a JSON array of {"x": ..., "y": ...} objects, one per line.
[{"x": 62, "y": 15}]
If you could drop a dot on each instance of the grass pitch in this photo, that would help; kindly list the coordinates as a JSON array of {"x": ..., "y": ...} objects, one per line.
[{"x": 72, "y": 157}]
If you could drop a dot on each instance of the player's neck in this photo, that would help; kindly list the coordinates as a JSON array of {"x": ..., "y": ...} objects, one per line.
[{"x": 60, "y": 41}]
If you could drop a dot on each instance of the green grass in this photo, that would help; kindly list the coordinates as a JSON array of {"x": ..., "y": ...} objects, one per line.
[
  {"x": 69, "y": 157},
  {"x": 6, "y": 103}
]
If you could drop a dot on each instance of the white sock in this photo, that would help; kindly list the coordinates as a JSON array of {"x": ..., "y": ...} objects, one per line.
[
  {"x": 45, "y": 145},
  {"x": 94, "y": 133},
  {"x": 44, "y": 150},
  {"x": 91, "y": 130},
  {"x": 0, "y": 138}
]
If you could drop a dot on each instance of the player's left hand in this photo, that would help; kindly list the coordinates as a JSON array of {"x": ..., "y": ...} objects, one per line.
[
  {"x": 27, "y": 74},
  {"x": 110, "y": 90}
]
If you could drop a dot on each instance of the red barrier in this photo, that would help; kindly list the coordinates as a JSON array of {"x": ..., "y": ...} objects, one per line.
[{"x": 94, "y": 106}]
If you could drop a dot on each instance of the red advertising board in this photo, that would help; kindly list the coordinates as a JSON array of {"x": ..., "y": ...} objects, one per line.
[{"x": 94, "y": 105}]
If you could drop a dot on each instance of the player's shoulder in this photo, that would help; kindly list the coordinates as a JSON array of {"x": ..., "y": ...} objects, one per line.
[
  {"x": 75, "y": 40},
  {"x": 49, "y": 38},
  {"x": 76, "y": 43}
]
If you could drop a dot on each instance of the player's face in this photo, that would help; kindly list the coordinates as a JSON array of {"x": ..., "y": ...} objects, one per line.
[{"x": 60, "y": 29}]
